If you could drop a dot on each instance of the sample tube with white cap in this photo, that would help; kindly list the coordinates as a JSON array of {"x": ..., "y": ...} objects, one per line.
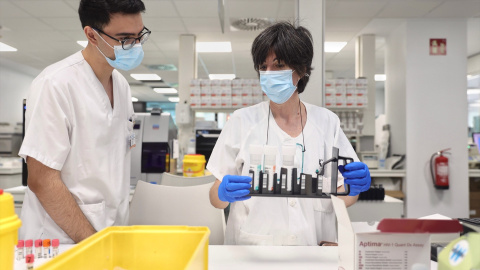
[
  {"x": 270, "y": 153},
  {"x": 255, "y": 165}
]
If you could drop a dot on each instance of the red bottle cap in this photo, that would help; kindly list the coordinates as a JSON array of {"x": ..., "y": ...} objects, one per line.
[
  {"x": 29, "y": 258},
  {"x": 38, "y": 243},
  {"x": 20, "y": 244},
  {"x": 29, "y": 243},
  {"x": 46, "y": 242},
  {"x": 55, "y": 243}
]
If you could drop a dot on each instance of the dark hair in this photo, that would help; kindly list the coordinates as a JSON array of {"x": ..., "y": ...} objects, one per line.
[
  {"x": 96, "y": 13},
  {"x": 292, "y": 45}
]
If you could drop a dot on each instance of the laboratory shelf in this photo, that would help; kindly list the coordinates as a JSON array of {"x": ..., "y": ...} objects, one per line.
[
  {"x": 215, "y": 110},
  {"x": 10, "y": 170},
  {"x": 474, "y": 173},
  {"x": 387, "y": 173}
]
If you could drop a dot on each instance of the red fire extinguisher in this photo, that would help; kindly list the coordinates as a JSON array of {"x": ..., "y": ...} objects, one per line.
[{"x": 439, "y": 169}]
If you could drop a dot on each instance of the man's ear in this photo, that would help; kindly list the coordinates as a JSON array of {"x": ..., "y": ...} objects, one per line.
[{"x": 90, "y": 34}]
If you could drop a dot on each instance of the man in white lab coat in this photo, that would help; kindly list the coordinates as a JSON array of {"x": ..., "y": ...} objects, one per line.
[{"x": 79, "y": 122}]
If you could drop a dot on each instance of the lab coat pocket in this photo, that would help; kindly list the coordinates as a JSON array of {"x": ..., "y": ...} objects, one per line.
[
  {"x": 246, "y": 238},
  {"x": 324, "y": 206},
  {"x": 96, "y": 214}
]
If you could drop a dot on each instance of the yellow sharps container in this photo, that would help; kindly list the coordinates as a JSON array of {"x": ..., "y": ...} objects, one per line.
[
  {"x": 9, "y": 224},
  {"x": 194, "y": 165}
]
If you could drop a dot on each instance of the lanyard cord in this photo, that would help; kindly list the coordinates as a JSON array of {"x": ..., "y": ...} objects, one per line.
[{"x": 301, "y": 122}]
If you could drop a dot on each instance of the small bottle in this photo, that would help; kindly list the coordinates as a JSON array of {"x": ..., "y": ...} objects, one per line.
[
  {"x": 55, "y": 244},
  {"x": 46, "y": 248},
  {"x": 38, "y": 248},
  {"x": 270, "y": 152},
  {"x": 20, "y": 246},
  {"x": 29, "y": 259},
  {"x": 28, "y": 246}
]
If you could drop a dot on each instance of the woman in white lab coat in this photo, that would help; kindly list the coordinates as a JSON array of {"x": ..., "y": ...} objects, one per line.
[{"x": 282, "y": 54}]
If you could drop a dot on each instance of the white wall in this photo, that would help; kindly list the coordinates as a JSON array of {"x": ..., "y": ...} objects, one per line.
[
  {"x": 311, "y": 15},
  {"x": 15, "y": 81},
  {"x": 435, "y": 110}
]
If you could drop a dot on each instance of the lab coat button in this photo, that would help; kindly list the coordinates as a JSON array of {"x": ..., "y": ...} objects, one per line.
[{"x": 293, "y": 203}]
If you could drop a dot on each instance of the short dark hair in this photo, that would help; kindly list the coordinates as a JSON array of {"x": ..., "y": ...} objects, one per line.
[
  {"x": 292, "y": 45},
  {"x": 96, "y": 13}
]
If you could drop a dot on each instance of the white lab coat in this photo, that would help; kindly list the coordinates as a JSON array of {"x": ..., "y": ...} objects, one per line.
[
  {"x": 71, "y": 127},
  {"x": 279, "y": 221}
]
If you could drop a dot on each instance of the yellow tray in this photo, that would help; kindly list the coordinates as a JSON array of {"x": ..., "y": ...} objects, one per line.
[{"x": 138, "y": 247}]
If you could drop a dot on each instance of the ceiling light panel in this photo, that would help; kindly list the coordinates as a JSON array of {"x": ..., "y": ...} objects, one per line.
[
  {"x": 82, "y": 43},
  {"x": 7, "y": 48},
  {"x": 334, "y": 47},
  {"x": 214, "y": 46},
  {"x": 221, "y": 76},
  {"x": 380, "y": 77},
  {"x": 146, "y": 77},
  {"x": 164, "y": 90}
]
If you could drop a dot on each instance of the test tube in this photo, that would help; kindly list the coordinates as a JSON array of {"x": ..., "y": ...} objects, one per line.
[
  {"x": 270, "y": 152},
  {"x": 46, "y": 248},
  {"x": 38, "y": 248},
  {"x": 29, "y": 259},
  {"x": 55, "y": 244},
  {"x": 28, "y": 246},
  {"x": 20, "y": 246}
]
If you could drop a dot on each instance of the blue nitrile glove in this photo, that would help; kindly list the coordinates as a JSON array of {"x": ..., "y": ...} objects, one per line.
[
  {"x": 357, "y": 175},
  {"x": 234, "y": 188}
]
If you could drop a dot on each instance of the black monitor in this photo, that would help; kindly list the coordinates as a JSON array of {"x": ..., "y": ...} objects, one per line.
[
  {"x": 155, "y": 157},
  {"x": 139, "y": 106}
]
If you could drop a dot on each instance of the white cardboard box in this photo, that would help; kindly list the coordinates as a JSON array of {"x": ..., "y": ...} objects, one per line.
[
  {"x": 205, "y": 101},
  {"x": 399, "y": 244},
  {"x": 216, "y": 102},
  {"x": 226, "y": 101},
  {"x": 330, "y": 101},
  {"x": 195, "y": 101},
  {"x": 376, "y": 250},
  {"x": 237, "y": 101}
]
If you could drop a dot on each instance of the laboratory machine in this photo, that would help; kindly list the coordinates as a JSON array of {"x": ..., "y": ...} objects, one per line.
[{"x": 154, "y": 135}]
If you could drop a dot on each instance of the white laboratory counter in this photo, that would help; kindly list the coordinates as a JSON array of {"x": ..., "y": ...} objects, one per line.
[
  {"x": 360, "y": 211},
  {"x": 259, "y": 257}
]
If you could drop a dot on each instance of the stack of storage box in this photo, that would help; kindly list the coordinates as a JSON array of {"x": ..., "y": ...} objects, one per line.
[
  {"x": 225, "y": 94},
  {"x": 346, "y": 93}
]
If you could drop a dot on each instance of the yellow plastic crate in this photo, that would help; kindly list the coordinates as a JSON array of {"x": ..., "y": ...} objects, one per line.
[
  {"x": 138, "y": 247},
  {"x": 9, "y": 224}
]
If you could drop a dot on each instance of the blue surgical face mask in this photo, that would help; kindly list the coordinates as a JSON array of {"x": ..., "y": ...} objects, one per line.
[
  {"x": 125, "y": 59},
  {"x": 277, "y": 85}
]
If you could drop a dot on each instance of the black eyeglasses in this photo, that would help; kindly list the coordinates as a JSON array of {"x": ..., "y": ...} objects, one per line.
[{"x": 128, "y": 43}]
